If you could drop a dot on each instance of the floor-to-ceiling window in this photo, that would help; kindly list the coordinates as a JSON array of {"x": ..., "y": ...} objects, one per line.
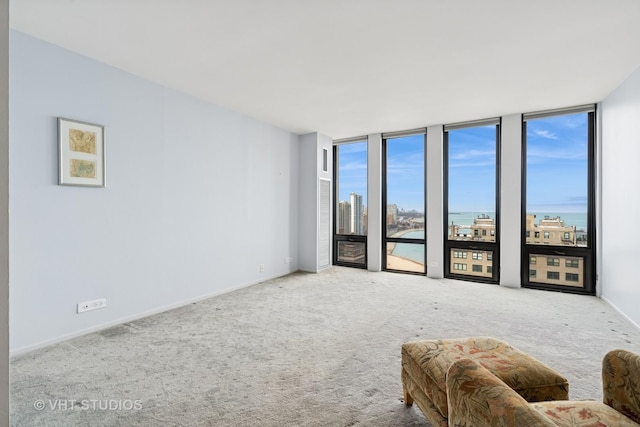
[
  {"x": 350, "y": 217},
  {"x": 403, "y": 201},
  {"x": 471, "y": 202},
  {"x": 558, "y": 200}
]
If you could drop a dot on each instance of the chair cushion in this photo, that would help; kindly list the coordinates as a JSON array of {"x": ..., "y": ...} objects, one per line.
[
  {"x": 582, "y": 414},
  {"x": 428, "y": 361}
]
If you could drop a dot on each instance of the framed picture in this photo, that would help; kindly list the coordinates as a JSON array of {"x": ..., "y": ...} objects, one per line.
[{"x": 80, "y": 153}]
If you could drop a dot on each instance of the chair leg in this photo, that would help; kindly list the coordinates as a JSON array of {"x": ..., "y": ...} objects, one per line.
[{"x": 408, "y": 400}]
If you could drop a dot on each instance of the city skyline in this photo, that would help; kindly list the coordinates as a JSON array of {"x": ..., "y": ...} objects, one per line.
[{"x": 351, "y": 215}]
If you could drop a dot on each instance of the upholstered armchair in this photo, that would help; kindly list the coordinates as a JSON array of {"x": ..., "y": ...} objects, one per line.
[{"x": 476, "y": 397}]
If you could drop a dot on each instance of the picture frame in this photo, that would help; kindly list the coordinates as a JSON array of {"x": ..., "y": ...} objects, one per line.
[{"x": 81, "y": 153}]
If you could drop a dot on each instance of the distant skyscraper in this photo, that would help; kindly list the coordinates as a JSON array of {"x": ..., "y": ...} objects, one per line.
[
  {"x": 356, "y": 214},
  {"x": 344, "y": 217},
  {"x": 392, "y": 214}
]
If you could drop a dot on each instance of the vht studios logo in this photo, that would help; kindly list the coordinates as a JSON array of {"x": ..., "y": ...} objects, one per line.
[{"x": 88, "y": 404}]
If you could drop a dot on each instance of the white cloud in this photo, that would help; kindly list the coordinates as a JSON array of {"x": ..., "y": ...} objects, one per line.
[
  {"x": 472, "y": 154},
  {"x": 545, "y": 134},
  {"x": 351, "y": 166}
]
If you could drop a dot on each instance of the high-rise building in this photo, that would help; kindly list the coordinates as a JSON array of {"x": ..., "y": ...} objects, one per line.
[
  {"x": 344, "y": 217},
  {"x": 365, "y": 221},
  {"x": 356, "y": 213},
  {"x": 392, "y": 214}
]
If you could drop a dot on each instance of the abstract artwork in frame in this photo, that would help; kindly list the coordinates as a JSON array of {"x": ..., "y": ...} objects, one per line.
[{"x": 81, "y": 153}]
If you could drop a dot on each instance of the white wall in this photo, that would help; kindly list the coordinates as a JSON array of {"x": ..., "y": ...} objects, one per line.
[
  {"x": 620, "y": 276},
  {"x": 197, "y": 198},
  {"x": 311, "y": 146},
  {"x": 4, "y": 212}
]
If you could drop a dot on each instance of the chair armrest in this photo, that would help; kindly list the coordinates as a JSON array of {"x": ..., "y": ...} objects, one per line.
[
  {"x": 621, "y": 382},
  {"x": 476, "y": 397}
]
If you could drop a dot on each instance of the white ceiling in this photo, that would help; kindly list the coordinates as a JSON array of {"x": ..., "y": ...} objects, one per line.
[{"x": 352, "y": 67}]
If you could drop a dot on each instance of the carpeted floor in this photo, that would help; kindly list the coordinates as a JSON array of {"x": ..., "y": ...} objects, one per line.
[{"x": 302, "y": 350}]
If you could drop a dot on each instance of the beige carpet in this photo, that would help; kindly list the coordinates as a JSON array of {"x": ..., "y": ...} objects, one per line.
[{"x": 303, "y": 350}]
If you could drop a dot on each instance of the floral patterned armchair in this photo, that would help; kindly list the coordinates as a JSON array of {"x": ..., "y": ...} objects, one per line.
[{"x": 478, "y": 398}]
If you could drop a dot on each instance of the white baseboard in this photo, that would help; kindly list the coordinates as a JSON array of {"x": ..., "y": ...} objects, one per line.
[{"x": 620, "y": 312}]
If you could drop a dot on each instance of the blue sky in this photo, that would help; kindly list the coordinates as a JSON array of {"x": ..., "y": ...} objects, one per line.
[
  {"x": 557, "y": 164},
  {"x": 472, "y": 170},
  {"x": 556, "y": 168},
  {"x": 405, "y": 172},
  {"x": 353, "y": 170}
]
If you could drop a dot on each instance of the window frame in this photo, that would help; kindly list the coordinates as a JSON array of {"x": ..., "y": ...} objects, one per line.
[
  {"x": 491, "y": 248},
  {"x": 342, "y": 238},
  {"x": 385, "y": 240},
  {"x": 554, "y": 274},
  {"x": 569, "y": 277},
  {"x": 588, "y": 253}
]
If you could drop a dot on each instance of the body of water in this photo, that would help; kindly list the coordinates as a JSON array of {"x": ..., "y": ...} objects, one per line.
[{"x": 412, "y": 251}]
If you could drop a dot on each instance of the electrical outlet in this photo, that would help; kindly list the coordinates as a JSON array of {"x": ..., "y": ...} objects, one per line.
[
  {"x": 288, "y": 260},
  {"x": 261, "y": 268},
  {"x": 92, "y": 305}
]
